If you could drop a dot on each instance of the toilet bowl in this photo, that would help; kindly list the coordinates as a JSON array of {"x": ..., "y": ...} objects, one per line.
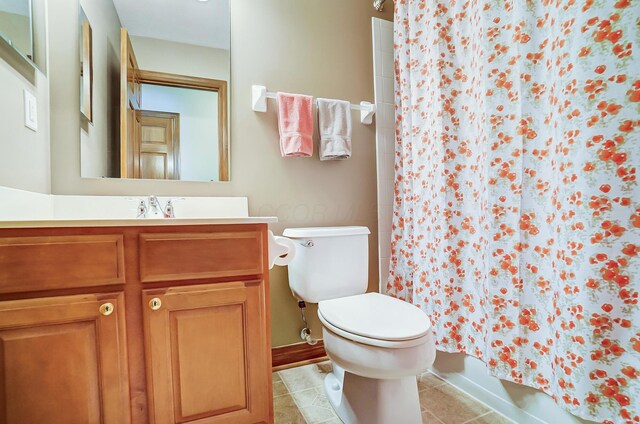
[
  {"x": 377, "y": 344},
  {"x": 374, "y": 367}
]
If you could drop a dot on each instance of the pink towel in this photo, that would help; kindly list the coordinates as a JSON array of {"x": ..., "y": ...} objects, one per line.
[{"x": 295, "y": 121}]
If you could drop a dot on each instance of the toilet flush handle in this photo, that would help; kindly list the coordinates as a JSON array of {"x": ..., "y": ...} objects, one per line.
[{"x": 308, "y": 243}]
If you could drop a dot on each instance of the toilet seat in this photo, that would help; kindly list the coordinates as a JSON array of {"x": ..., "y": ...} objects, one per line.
[{"x": 376, "y": 320}]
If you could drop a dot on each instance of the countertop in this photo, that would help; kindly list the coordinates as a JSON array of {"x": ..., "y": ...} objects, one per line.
[{"x": 146, "y": 222}]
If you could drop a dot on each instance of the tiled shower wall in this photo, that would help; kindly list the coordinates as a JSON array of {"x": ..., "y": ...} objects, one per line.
[{"x": 385, "y": 137}]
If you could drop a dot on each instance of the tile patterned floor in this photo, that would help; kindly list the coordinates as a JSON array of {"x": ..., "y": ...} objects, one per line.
[{"x": 298, "y": 398}]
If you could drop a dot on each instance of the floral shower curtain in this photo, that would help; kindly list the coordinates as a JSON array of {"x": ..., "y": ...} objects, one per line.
[{"x": 517, "y": 214}]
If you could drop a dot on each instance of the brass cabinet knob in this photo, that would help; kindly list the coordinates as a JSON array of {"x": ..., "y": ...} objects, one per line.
[
  {"x": 107, "y": 309},
  {"x": 155, "y": 303}
]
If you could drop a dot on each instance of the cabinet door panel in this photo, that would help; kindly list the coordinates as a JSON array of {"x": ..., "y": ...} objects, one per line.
[
  {"x": 188, "y": 256},
  {"x": 207, "y": 354},
  {"x": 29, "y": 264},
  {"x": 195, "y": 365},
  {"x": 62, "y": 361}
]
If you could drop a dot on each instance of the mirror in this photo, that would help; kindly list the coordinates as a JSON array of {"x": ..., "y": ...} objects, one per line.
[
  {"x": 154, "y": 95},
  {"x": 16, "y": 26}
]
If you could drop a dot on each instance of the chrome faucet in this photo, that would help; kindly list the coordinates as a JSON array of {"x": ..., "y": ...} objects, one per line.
[
  {"x": 142, "y": 209},
  {"x": 169, "y": 212},
  {"x": 155, "y": 210},
  {"x": 151, "y": 208}
]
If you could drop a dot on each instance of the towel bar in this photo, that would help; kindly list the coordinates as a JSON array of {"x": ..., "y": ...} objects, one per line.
[{"x": 259, "y": 96}]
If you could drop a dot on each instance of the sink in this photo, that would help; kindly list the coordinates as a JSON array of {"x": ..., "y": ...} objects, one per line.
[{"x": 23, "y": 206}]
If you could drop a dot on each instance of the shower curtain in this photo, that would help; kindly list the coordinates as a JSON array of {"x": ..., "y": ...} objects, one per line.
[{"x": 517, "y": 206}]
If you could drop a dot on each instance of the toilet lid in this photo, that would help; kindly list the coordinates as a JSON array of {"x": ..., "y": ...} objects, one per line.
[{"x": 376, "y": 316}]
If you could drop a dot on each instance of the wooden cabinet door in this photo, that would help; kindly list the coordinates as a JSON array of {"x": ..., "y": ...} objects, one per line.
[
  {"x": 208, "y": 358},
  {"x": 63, "y": 360},
  {"x": 158, "y": 150}
]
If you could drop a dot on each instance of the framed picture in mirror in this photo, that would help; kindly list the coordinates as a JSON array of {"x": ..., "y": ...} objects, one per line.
[{"x": 86, "y": 67}]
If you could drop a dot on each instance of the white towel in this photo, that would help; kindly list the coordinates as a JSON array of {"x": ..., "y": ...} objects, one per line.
[{"x": 334, "y": 124}]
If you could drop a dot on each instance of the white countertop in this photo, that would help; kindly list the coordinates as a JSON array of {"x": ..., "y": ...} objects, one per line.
[
  {"x": 25, "y": 209},
  {"x": 146, "y": 222}
]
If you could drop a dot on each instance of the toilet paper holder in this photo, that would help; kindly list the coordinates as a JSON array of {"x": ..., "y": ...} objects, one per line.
[{"x": 282, "y": 250}]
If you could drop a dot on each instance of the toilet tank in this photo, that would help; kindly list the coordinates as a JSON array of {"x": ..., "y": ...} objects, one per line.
[{"x": 330, "y": 262}]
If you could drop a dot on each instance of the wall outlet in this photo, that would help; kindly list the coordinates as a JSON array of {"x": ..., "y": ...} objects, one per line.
[{"x": 30, "y": 111}]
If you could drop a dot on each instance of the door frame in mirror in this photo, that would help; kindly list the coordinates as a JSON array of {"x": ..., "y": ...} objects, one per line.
[{"x": 207, "y": 84}]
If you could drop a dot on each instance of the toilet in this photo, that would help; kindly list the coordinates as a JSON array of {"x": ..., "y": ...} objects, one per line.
[{"x": 377, "y": 344}]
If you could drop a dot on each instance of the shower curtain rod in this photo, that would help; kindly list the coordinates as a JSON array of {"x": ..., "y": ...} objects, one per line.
[{"x": 378, "y": 5}]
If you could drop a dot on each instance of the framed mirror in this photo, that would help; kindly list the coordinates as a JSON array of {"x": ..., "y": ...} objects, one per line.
[
  {"x": 16, "y": 26},
  {"x": 163, "y": 78}
]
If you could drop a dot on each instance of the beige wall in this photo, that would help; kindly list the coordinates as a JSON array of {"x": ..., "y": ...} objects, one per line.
[
  {"x": 24, "y": 154},
  {"x": 318, "y": 48},
  {"x": 179, "y": 58}
]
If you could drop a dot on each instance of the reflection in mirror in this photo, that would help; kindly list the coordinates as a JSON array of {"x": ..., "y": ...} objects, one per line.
[
  {"x": 16, "y": 24},
  {"x": 175, "y": 108},
  {"x": 168, "y": 95},
  {"x": 86, "y": 67}
]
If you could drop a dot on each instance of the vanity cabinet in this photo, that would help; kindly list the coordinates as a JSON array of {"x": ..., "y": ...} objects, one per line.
[
  {"x": 63, "y": 360},
  {"x": 135, "y": 324},
  {"x": 219, "y": 375}
]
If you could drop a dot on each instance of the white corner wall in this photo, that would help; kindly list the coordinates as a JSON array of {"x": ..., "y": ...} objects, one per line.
[{"x": 385, "y": 138}]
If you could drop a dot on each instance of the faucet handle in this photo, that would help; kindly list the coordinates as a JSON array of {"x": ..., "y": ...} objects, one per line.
[
  {"x": 142, "y": 206},
  {"x": 169, "y": 212}
]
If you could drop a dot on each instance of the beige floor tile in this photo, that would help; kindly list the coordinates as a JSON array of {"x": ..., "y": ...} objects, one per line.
[
  {"x": 317, "y": 414},
  {"x": 286, "y": 411},
  {"x": 308, "y": 397},
  {"x": 335, "y": 420},
  {"x": 306, "y": 377},
  {"x": 314, "y": 405},
  {"x": 299, "y": 399},
  {"x": 323, "y": 402},
  {"x": 275, "y": 377},
  {"x": 428, "y": 380},
  {"x": 429, "y": 418},
  {"x": 450, "y": 405},
  {"x": 279, "y": 388},
  {"x": 491, "y": 418}
]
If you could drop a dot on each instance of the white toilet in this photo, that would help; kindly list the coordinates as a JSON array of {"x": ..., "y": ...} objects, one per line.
[{"x": 377, "y": 344}]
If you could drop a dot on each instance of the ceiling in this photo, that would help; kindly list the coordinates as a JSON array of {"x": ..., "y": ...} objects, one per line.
[{"x": 183, "y": 21}]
